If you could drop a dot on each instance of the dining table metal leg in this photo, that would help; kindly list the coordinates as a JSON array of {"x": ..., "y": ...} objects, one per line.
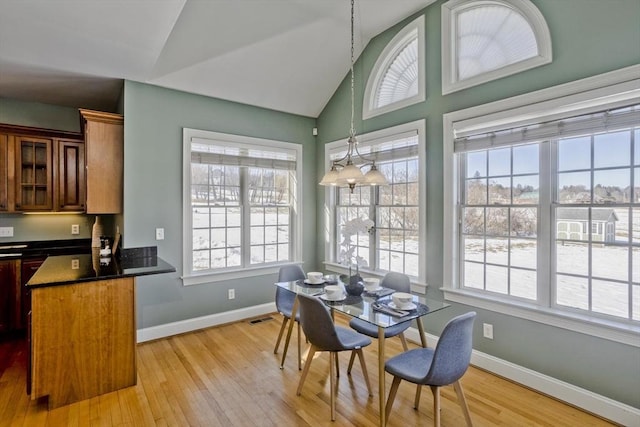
[
  {"x": 381, "y": 377},
  {"x": 294, "y": 311}
]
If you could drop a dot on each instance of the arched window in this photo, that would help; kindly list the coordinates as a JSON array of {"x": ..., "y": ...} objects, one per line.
[
  {"x": 397, "y": 78},
  {"x": 484, "y": 40}
]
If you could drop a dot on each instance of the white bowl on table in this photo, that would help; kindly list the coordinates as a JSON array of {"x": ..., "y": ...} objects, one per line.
[
  {"x": 402, "y": 300},
  {"x": 371, "y": 284},
  {"x": 333, "y": 292},
  {"x": 315, "y": 277}
]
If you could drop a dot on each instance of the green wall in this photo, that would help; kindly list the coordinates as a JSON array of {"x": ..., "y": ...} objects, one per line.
[
  {"x": 47, "y": 116},
  {"x": 589, "y": 37},
  {"x": 154, "y": 119}
]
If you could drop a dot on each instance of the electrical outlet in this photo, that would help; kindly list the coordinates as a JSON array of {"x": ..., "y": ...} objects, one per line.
[
  {"x": 75, "y": 228},
  {"x": 159, "y": 233},
  {"x": 232, "y": 293},
  {"x": 6, "y": 231},
  {"x": 75, "y": 264},
  {"x": 487, "y": 330}
]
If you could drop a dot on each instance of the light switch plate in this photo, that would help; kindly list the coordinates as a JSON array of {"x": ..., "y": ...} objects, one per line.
[
  {"x": 6, "y": 231},
  {"x": 159, "y": 233}
]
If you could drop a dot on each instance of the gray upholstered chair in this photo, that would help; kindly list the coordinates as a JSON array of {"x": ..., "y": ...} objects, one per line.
[
  {"x": 284, "y": 303},
  {"x": 436, "y": 368},
  {"x": 400, "y": 283},
  {"x": 324, "y": 335}
]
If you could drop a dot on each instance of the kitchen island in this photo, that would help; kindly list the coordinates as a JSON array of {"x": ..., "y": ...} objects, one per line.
[{"x": 82, "y": 325}]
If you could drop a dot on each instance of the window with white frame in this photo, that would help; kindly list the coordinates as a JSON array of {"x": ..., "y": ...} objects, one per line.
[
  {"x": 397, "y": 241},
  {"x": 546, "y": 214},
  {"x": 484, "y": 40},
  {"x": 398, "y": 77},
  {"x": 240, "y": 204}
]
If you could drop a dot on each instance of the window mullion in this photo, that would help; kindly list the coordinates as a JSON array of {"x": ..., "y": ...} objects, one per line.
[
  {"x": 546, "y": 265},
  {"x": 373, "y": 236},
  {"x": 245, "y": 210}
]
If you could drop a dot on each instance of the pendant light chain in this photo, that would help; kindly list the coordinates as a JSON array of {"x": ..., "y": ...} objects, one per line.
[
  {"x": 344, "y": 172},
  {"x": 352, "y": 131}
]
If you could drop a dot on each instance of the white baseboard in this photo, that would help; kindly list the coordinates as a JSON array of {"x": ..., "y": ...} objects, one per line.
[
  {"x": 588, "y": 401},
  {"x": 591, "y": 402},
  {"x": 182, "y": 326}
]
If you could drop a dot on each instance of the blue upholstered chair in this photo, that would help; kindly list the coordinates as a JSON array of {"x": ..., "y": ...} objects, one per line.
[
  {"x": 284, "y": 303},
  {"x": 324, "y": 335},
  {"x": 400, "y": 283},
  {"x": 436, "y": 368}
]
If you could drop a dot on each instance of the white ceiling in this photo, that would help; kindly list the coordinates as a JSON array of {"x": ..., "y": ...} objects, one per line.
[{"x": 287, "y": 55}]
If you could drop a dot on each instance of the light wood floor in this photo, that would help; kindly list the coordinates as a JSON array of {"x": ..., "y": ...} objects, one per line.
[{"x": 229, "y": 376}]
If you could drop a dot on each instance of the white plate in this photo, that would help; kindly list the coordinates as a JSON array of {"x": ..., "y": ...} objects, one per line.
[
  {"x": 410, "y": 306},
  {"x": 379, "y": 288},
  {"x": 308, "y": 282},
  {"x": 326, "y": 298}
]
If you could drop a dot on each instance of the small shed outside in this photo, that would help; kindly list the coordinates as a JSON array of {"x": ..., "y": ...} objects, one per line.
[{"x": 573, "y": 224}]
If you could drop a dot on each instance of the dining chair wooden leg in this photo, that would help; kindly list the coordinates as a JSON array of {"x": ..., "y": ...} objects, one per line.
[
  {"x": 333, "y": 361},
  {"x": 436, "y": 405},
  {"x": 280, "y": 334},
  {"x": 416, "y": 402},
  {"x": 337, "y": 366},
  {"x": 299, "y": 350},
  {"x": 403, "y": 340},
  {"x": 351, "y": 359},
  {"x": 364, "y": 368},
  {"x": 305, "y": 371},
  {"x": 463, "y": 402},
  {"x": 392, "y": 396}
]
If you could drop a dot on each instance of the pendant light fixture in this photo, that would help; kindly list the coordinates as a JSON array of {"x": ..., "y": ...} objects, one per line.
[{"x": 346, "y": 172}]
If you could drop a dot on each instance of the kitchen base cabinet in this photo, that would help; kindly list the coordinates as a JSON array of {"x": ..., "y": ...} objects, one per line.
[
  {"x": 9, "y": 296},
  {"x": 27, "y": 270},
  {"x": 83, "y": 340}
]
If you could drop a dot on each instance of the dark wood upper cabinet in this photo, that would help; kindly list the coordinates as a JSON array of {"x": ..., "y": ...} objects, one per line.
[
  {"x": 4, "y": 172},
  {"x": 104, "y": 145},
  {"x": 71, "y": 176},
  {"x": 34, "y": 173},
  {"x": 41, "y": 170}
]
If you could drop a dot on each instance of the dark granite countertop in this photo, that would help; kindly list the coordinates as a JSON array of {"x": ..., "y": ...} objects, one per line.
[
  {"x": 44, "y": 248},
  {"x": 66, "y": 269}
]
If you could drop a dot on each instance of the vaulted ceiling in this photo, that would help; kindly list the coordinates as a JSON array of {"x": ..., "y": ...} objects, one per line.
[{"x": 286, "y": 55}]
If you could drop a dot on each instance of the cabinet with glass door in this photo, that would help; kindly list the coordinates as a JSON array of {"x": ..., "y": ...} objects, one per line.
[{"x": 34, "y": 173}]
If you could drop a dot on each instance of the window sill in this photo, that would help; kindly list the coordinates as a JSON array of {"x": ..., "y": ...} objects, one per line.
[
  {"x": 594, "y": 326},
  {"x": 229, "y": 274}
]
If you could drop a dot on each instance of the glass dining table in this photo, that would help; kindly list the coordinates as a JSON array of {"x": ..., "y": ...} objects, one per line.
[{"x": 375, "y": 308}]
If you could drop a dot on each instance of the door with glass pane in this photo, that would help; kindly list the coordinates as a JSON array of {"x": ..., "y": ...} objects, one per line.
[{"x": 34, "y": 174}]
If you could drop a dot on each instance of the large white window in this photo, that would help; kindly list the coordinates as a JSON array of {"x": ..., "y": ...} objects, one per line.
[
  {"x": 545, "y": 206},
  {"x": 398, "y": 76},
  {"x": 483, "y": 40},
  {"x": 397, "y": 241},
  {"x": 240, "y": 205}
]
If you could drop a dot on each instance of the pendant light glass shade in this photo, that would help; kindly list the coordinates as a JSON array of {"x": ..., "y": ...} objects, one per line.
[
  {"x": 350, "y": 174},
  {"x": 331, "y": 177},
  {"x": 375, "y": 177}
]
